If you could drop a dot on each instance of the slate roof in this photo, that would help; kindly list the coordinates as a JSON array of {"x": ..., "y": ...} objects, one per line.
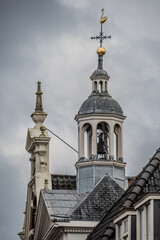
[
  {"x": 65, "y": 182},
  {"x": 148, "y": 181},
  {"x": 59, "y": 203},
  {"x": 99, "y": 74},
  {"x": 98, "y": 201},
  {"x": 100, "y": 103}
]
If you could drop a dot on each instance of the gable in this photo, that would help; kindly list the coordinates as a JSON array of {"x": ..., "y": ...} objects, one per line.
[{"x": 98, "y": 201}]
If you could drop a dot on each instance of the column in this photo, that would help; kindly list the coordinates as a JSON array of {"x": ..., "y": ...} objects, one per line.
[
  {"x": 111, "y": 141},
  {"x": 103, "y": 86},
  {"x": 120, "y": 143},
  {"x": 94, "y": 132},
  {"x": 81, "y": 139}
]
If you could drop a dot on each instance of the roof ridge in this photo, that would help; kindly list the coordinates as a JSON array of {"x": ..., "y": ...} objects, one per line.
[
  {"x": 142, "y": 178},
  {"x": 63, "y": 175}
]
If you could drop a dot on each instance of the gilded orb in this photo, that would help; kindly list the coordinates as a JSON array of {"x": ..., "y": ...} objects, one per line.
[{"x": 101, "y": 51}]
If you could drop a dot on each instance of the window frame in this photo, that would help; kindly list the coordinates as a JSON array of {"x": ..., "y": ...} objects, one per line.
[{"x": 139, "y": 210}]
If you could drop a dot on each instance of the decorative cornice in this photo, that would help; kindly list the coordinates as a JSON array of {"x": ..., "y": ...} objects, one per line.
[
  {"x": 98, "y": 163},
  {"x": 78, "y": 229},
  {"x": 96, "y": 116}
]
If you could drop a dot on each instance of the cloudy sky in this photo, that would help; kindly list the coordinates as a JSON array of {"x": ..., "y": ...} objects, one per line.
[{"x": 49, "y": 41}]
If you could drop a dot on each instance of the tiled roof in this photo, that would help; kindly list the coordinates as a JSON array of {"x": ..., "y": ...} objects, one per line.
[
  {"x": 59, "y": 203},
  {"x": 148, "y": 181},
  {"x": 98, "y": 201},
  {"x": 65, "y": 182}
]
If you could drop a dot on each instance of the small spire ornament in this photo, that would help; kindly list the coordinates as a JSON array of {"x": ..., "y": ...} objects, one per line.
[
  {"x": 39, "y": 115},
  {"x": 101, "y": 50}
]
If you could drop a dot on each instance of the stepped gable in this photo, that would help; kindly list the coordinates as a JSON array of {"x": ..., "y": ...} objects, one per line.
[
  {"x": 148, "y": 181},
  {"x": 64, "y": 182},
  {"x": 98, "y": 201}
]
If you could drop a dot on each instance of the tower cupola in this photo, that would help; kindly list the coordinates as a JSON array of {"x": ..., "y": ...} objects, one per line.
[{"x": 100, "y": 129}]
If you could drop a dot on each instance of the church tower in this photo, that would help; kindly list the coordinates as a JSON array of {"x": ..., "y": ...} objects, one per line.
[
  {"x": 37, "y": 144},
  {"x": 100, "y": 130}
]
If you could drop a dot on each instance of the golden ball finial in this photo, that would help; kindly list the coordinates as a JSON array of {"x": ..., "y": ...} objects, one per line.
[{"x": 101, "y": 51}]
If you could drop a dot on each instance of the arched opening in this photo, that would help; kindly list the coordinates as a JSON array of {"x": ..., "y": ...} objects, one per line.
[
  {"x": 95, "y": 86},
  {"x": 87, "y": 140},
  {"x": 117, "y": 141},
  {"x": 103, "y": 140},
  {"x": 105, "y": 86}
]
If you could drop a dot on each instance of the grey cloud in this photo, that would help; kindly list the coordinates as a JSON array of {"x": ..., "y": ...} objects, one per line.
[{"x": 50, "y": 41}]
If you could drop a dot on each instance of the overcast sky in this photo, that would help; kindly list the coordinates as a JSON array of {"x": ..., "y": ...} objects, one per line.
[{"x": 49, "y": 41}]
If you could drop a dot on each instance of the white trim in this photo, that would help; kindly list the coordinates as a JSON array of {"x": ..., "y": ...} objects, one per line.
[
  {"x": 152, "y": 216},
  {"x": 144, "y": 201},
  {"x": 145, "y": 222},
  {"x": 138, "y": 225},
  {"x": 78, "y": 224},
  {"x": 124, "y": 215},
  {"x": 102, "y": 163},
  {"x": 129, "y": 227},
  {"x": 96, "y": 116},
  {"x": 124, "y": 233}
]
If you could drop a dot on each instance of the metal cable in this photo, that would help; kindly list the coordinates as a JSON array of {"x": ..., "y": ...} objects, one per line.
[{"x": 62, "y": 140}]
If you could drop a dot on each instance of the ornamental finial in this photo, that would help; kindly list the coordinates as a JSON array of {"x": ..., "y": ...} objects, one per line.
[
  {"x": 39, "y": 107},
  {"x": 39, "y": 115},
  {"x": 101, "y": 50}
]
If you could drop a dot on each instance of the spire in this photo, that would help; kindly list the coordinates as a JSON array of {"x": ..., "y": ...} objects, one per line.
[
  {"x": 39, "y": 115},
  {"x": 101, "y": 50},
  {"x": 39, "y": 107}
]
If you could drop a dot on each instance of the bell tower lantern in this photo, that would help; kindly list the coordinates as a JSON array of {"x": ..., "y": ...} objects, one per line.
[{"x": 100, "y": 130}]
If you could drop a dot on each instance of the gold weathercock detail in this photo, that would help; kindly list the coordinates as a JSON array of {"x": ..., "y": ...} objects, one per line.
[
  {"x": 101, "y": 50},
  {"x": 103, "y": 19}
]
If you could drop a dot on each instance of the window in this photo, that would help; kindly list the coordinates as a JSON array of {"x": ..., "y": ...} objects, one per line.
[
  {"x": 126, "y": 226},
  {"x": 145, "y": 222},
  {"x": 123, "y": 230}
]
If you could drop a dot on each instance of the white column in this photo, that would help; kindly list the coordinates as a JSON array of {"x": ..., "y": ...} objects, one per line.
[
  {"x": 117, "y": 232},
  {"x": 103, "y": 86},
  {"x": 79, "y": 142},
  {"x": 138, "y": 225},
  {"x": 120, "y": 142},
  {"x": 89, "y": 145},
  {"x": 129, "y": 227},
  {"x": 81, "y": 139},
  {"x": 94, "y": 134},
  {"x": 145, "y": 223},
  {"x": 152, "y": 218},
  {"x": 111, "y": 140}
]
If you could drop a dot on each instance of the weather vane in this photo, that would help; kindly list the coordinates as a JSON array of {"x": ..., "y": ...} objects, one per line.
[{"x": 101, "y": 51}]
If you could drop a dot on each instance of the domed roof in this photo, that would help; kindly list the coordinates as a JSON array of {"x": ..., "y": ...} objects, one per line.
[
  {"x": 100, "y": 103},
  {"x": 99, "y": 74}
]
